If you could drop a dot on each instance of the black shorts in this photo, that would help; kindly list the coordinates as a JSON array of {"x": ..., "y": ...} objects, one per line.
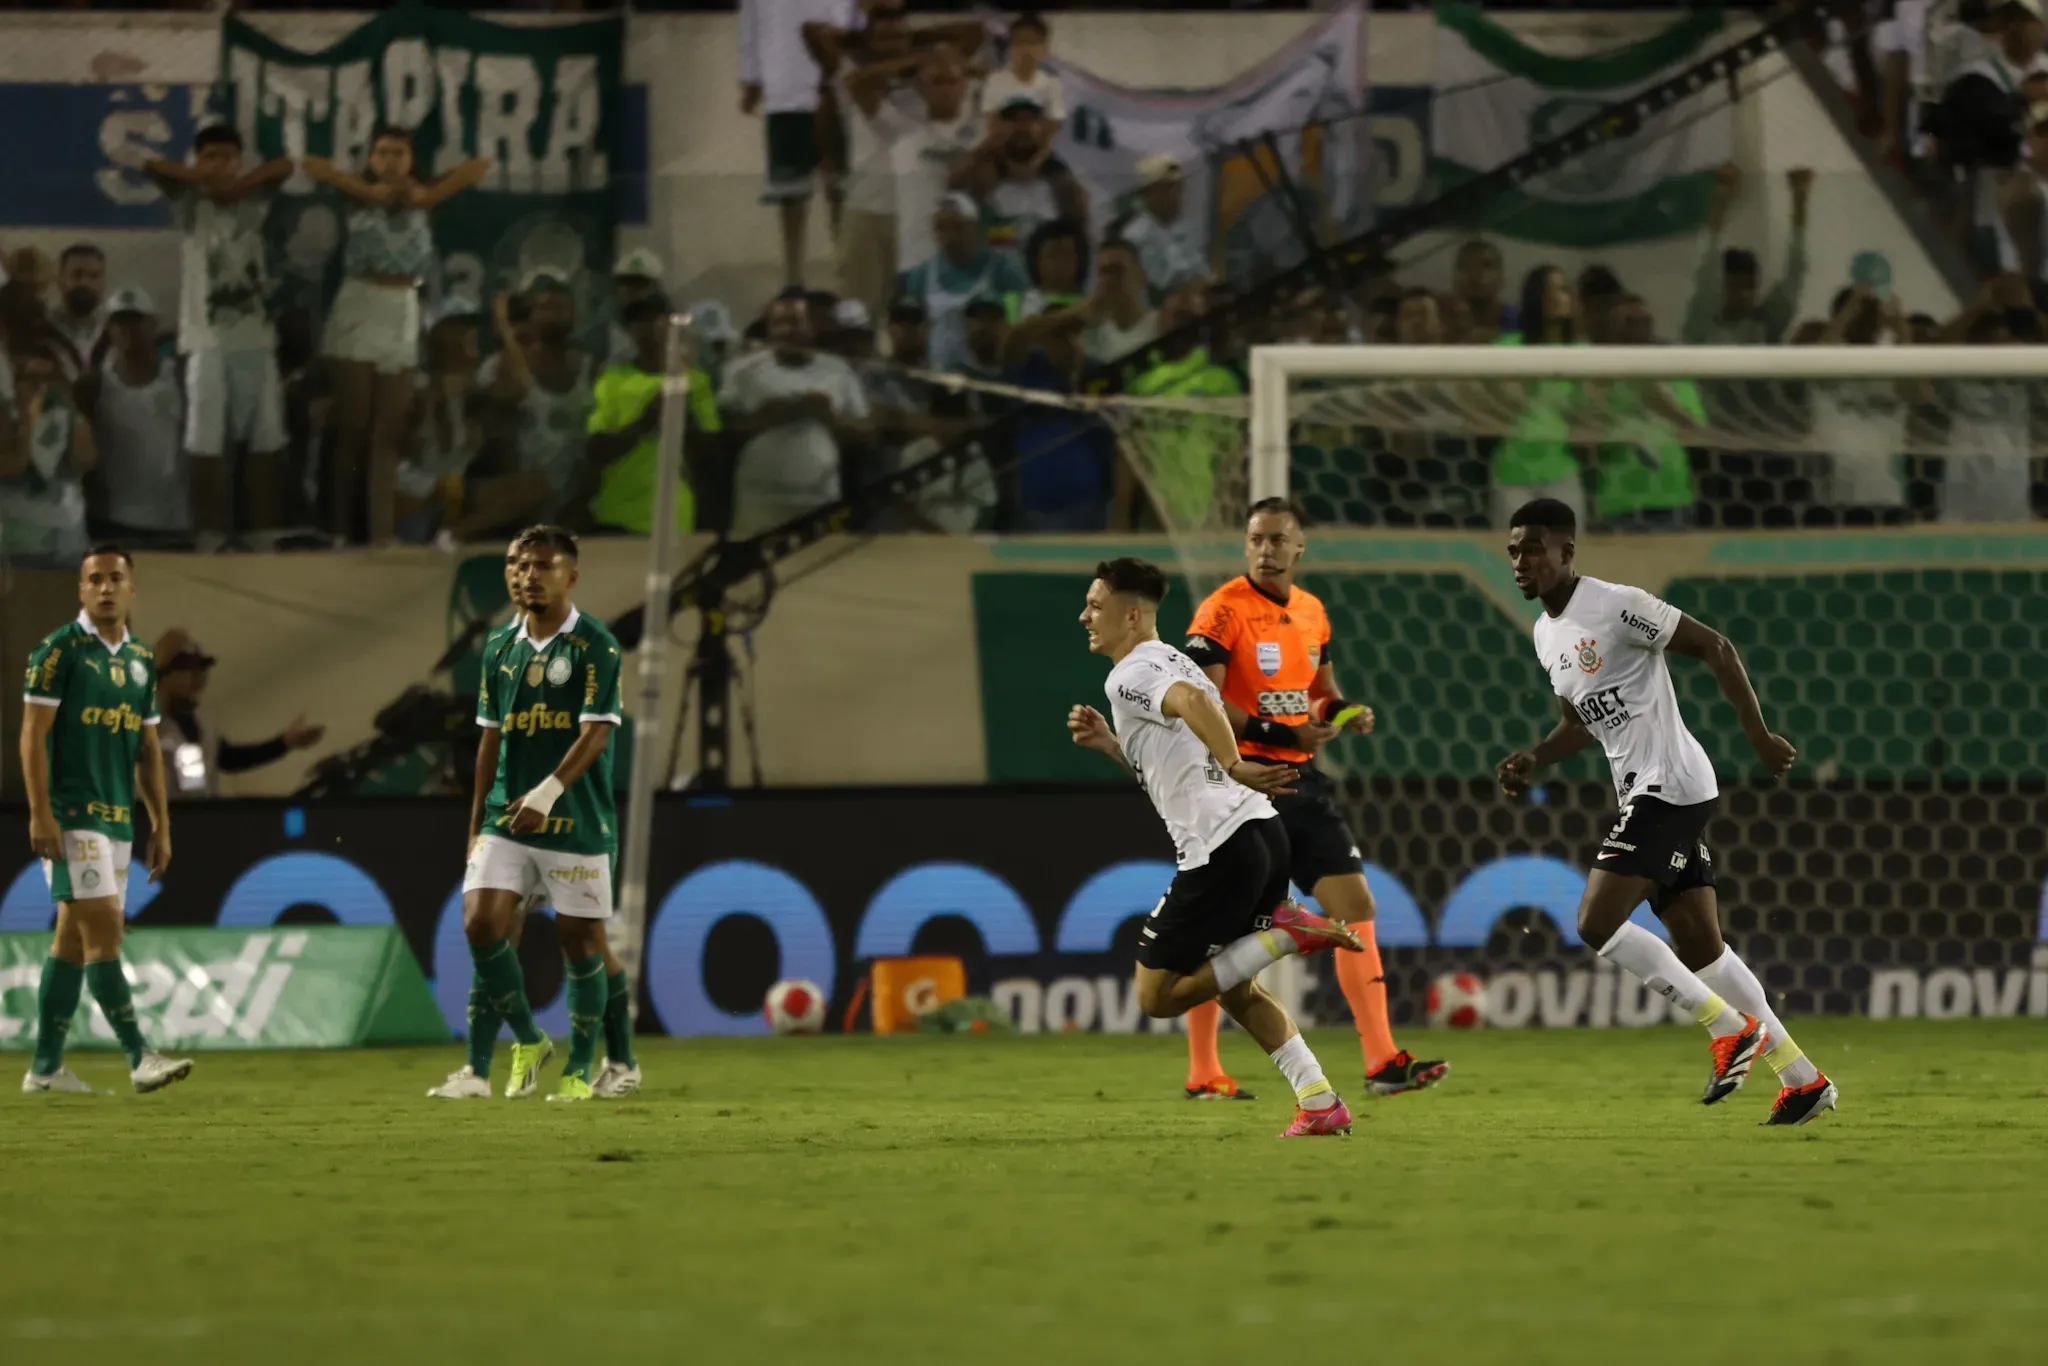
[
  {"x": 1317, "y": 832},
  {"x": 1664, "y": 843},
  {"x": 792, "y": 155},
  {"x": 1225, "y": 899}
]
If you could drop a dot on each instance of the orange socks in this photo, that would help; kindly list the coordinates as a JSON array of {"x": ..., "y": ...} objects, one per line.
[
  {"x": 1365, "y": 991},
  {"x": 1203, "y": 1063}
]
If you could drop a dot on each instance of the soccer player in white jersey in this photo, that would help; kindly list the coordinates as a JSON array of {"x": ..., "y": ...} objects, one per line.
[
  {"x": 1226, "y": 915},
  {"x": 1603, "y": 645}
]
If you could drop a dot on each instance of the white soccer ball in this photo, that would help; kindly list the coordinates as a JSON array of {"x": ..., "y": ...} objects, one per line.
[
  {"x": 795, "y": 1007},
  {"x": 1457, "y": 1000}
]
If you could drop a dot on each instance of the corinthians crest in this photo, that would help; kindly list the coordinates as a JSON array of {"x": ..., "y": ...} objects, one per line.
[{"x": 1589, "y": 658}]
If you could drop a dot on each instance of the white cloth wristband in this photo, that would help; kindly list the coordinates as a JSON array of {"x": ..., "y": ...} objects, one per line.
[{"x": 545, "y": 794}]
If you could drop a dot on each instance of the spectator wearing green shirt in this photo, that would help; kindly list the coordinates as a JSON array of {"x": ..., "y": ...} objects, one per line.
[
  {"x": 625, "y": 427},
  {"x": 1535, "y": 459},
  {"x": 1728, "y": 307},
  {"x": 1183, "y": 455},
  {"x": 1644, "y": 480}
]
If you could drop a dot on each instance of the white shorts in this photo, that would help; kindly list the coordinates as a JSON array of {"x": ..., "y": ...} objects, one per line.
[
  {"x": 579, "y": 885},
  {"x": 94, "y": 866},
  {"x": 233, "y": 399},
  {"x": 376, "y": 324}
]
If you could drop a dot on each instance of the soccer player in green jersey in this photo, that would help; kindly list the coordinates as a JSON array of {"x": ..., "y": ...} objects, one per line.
[
  {"x": 618, "y": 1075},
  {"x": 88, "y": 741},
  {"x": 545, "y": 828}
]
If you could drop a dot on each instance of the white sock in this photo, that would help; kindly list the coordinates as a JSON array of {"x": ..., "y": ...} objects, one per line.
[
  {"x": 1311, "y": 1090},
  {"x": 1731, "y": 978},
  {"x": 1653, "y": 962},
  {"x": 1241, "y": 960}
]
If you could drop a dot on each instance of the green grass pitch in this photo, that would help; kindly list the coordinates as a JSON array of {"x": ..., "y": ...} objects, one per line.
[{"x": 1051, "y": 1199}]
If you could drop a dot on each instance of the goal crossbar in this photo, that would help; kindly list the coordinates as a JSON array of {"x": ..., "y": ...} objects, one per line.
[{"x": 1275, "y": 369}]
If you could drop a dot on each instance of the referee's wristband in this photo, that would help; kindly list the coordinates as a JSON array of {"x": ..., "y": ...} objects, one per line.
[
  {"x": 1265, "y": 731},
  {"x": 544, "y": 795}
]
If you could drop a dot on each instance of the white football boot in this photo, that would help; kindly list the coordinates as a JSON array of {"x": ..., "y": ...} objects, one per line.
[
  {"x": 156, "y": 1071},
  {"x": 615, "y": 1081},
  {"x": 60, "y": 1080},
  {"x": 462, "y": 1084}
]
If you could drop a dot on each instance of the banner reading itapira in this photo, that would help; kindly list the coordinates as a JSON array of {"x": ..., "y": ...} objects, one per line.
[{"x": 541, "y": 102}]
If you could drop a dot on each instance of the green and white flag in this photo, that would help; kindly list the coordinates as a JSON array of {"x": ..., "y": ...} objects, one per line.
[
  {"x": 1496, "y": 97},
  {"x": 541, "y": 101}
]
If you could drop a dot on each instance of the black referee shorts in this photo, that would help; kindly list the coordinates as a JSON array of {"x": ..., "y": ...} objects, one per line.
[
  {"x": 1667, "y": 844},
  {"x": 1317, "y": 832},
  {"x": 1225, "y": 899}
]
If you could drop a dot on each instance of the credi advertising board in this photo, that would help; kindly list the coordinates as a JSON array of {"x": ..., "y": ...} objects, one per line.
[{"x": 1039, "y": 890}]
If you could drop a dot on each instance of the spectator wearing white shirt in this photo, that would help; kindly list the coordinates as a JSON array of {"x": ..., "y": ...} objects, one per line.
[
  {"x": 137, "y": 414},
  {"x": 780, "y": 78},
  {"x": 1019, "y": 184},
  {"x": 1861, "y": 424},
  {"x": 867, "y": 228},
  {"x": 1904, "y": 60},
  {"x": 235, "y": 398},
  {"x": 1025, "y": 74},
  {"x": 792, "y": 407},
  {"x": 867, "y": 231},
  {"x": 1159, "y": 229},
  {"x": 930, "y": 149},
  {"x": 1987, "y": 475}
]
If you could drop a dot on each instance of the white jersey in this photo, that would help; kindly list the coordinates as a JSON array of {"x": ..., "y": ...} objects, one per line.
[
  {"x": 1201, "y": 804},
  {"x": 1605, "y": 656}
]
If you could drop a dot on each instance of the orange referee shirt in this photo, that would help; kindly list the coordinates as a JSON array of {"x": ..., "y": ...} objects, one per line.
[{"x": 1270, "y": 652}]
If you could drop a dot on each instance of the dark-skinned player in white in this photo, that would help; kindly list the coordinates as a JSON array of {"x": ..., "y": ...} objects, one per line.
[{"x": 1603, "y": 646}]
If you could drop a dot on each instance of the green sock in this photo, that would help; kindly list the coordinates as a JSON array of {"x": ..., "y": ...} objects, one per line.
[
  {"x": 497, "y": 967},
  {"x": 56, "y": 1003},
  {"x": 484, "y": 1024},
  {"x": 586, "y": 1012},
  {"x": 618, "y": 1019},
  {"x": 109, "y": 986}
]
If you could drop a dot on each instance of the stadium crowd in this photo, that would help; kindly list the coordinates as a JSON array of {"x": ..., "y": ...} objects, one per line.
[{"x": 962, "y": 248}]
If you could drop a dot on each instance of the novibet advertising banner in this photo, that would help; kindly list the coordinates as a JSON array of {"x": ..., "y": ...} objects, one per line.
[{"x": 1848, "y": 898}]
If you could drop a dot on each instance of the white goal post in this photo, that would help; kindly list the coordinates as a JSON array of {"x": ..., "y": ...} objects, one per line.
[{"x": 1276, "y": 370}]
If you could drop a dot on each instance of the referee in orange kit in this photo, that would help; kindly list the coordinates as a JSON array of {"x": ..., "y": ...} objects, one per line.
[{"x": 1265, "y": 643}]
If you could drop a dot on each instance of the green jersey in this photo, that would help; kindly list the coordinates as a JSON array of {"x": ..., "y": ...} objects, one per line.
[
  {"x": 539, "y": 694},
  {"x": 1538, "y": 448},
  {"x": 104, "y": 697},
  {"x": 1646, "y": 469},
  {"x": 1187, "y": 452}
]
